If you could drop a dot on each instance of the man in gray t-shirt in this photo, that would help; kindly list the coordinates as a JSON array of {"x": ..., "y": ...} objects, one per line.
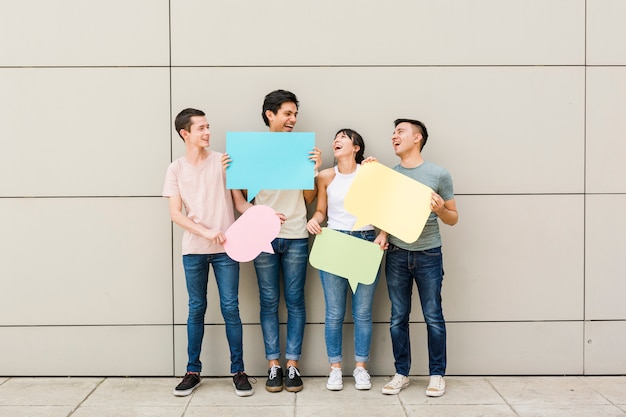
[{"x": 420, "y": 261}]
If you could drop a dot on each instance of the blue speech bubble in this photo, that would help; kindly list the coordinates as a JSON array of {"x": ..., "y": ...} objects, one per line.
[{"x": 269, "y": 161}]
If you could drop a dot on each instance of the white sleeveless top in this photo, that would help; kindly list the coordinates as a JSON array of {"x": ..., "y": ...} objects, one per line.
[{"x": 338, "y": 217}]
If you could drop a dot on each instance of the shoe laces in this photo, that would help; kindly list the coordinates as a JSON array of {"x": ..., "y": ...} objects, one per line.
[
  {"x": 436, "y": 381},
  {"x": 274, "y": 371},
  {"x": 397, "y": 381},
  {"x": 189, "y": 376},
  {"x": 293, "y": 371},
  {"x": 242, "y": 375},
  {"x": 361, "y": 373}
]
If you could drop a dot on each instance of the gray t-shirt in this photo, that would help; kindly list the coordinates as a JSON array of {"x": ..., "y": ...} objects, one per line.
[{"x": 440, "y": 181}]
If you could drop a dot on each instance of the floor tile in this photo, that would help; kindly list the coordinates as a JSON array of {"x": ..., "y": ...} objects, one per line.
[
  {"x": 234, "y": 411},
  {"x": 46, "y": 391},
  {"x": 220, "y": 392},
  {"x": 351, "y": 410},
  {"x": 567, "y": 391},
  {"x": 612, "y": 388},
  {"x": 129, "y": 411},
  {"x": 416, "y": 410},
  {"x": 459, "y": 390},
  {"x": 35, "y": 411},
  {"x": 315, "y": 393},
  {"x": 137, "y": 392},
  {"x": 565, "y": 411}
]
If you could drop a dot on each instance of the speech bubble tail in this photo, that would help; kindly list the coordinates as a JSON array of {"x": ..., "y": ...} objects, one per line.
[
  {"x": 353, "y": 285},
  {"x": 268, "y": 248},
  {"x": 251, "y": 194}
]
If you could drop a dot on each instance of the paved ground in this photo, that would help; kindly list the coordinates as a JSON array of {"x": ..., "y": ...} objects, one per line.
[{"x": 465, "y": 396}]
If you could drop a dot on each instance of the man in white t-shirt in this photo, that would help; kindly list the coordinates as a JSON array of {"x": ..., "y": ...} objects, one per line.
[
  {"x": 291, "y": 249},
  {"x": 196, "y": 181}
]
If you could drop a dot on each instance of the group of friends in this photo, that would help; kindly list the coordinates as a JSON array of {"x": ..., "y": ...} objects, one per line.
[{"x": 199, "y": 203}]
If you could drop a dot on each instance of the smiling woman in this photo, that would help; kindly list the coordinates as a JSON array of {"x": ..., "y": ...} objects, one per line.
[{"x": 333, "y": 184}]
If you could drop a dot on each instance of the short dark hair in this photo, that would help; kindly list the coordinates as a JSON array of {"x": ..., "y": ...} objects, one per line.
[
  {"x": 356, "y": 140},
  {"x": 417, "y": 123},
  {"x": 274, "y": 100},
  {"x": 183, "y": 119}
]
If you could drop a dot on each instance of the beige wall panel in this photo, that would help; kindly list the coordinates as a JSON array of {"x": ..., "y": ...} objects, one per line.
[
  {"x": 524, "y": 348},
  {"x": 352, "y": 32},
  {"x": 215, "y": 354},
  {"x": 84, "y": 131},
  {"x": 606, "y": 32},
  {"x": 511, "y": 257},
  {"x": 85, "y": 261},
  {"x": 606, "y": 129},
  {"x": 473, "y": 116},
  {"x": 605, "y": 262},
  {"x": 79, "y": 33},
  {"x": 605, "y": 347},
  {"x": 86, "y": 350}
]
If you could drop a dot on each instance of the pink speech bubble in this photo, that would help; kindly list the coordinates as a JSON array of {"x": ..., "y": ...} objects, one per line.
[{"x": 252, "y": 233}]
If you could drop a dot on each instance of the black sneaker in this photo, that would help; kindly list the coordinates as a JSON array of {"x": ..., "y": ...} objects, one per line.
[
  {"x": 293, "y": 382},
  {"x": 274, "y": 381},
  {"x": 242, "y": 385},
  {"x": 189, "y": 383}
]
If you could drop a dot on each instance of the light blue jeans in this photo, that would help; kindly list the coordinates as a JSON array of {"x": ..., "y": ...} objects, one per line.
[
  {"x": 425, "y": 268},
  {"x": 227, "y": 276},
  {"x": 291, "y": 257},
  {"x": 336, "y": 290}
]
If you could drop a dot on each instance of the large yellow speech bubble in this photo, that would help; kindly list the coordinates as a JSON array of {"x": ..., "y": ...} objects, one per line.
[
  {"x": 389, "y": 200},
  {"x": 349, "y": 257}
]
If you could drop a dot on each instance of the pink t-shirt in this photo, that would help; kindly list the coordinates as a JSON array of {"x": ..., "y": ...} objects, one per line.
[{"x": 205, "y": 199}]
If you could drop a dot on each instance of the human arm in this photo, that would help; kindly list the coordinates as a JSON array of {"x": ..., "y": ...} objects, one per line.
[
  {"x": 316, "y": 156},
  {"x": 178, "y": 217},
  {"x": 381, "y": 240},
  {"x": 324, "y": 178},
  {"x": 445, "y": 210},
  {"x": 241, "y": 204}
]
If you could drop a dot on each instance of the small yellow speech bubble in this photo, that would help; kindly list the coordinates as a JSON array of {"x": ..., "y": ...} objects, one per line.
[
  {"x": 389, "y": 200},
  {"x": 349, "y": 257}
]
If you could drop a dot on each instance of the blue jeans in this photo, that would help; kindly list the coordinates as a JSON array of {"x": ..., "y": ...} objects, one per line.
[
  {"x": 336, "y": 290},
  {"x": 227, "y": 276},
  {"x": 426, "y": 269},
  {"x": 290, "y": 256}
]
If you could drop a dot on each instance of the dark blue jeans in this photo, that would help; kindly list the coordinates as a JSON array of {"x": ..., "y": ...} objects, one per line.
[
  {"x": 426, "y": 269},
  {"x": 291, "y": 257},
  {"x": 227, "y": 276}
]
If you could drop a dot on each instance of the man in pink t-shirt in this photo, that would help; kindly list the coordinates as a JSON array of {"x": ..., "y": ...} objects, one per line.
[{"x": 196, "y": 181}]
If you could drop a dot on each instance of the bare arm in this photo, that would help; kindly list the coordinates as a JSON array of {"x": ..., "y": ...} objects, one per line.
[
  {"x": 323, "y": 179},
  {"x": 178, "y": 217},
  {"x": 316, "y": 156},
  {"x": 445, "y": 210}
]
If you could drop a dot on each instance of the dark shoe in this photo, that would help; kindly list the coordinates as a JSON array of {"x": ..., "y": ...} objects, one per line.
[
  {"x": 189, "y": 383},
  {"x": 242, "y": 385},
  {"x": 293, "y": 382},
  {"x": 274, "y": 381}
]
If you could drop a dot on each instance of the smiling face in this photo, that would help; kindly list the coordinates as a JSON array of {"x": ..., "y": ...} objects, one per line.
[
  {"x": 405, "y": 139},
  {"x": 198, "y": 134},
  {"x": 284, "y": 119},
  {"x": 343, "y": 146}
]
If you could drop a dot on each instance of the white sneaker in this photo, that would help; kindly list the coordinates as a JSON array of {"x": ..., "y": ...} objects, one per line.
[
  {"x": 398, "y": 383},
  {"x": 436, "y": 387},
  {"x": 361, "y": 378},
  {"x": 335, "y": 381}
]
